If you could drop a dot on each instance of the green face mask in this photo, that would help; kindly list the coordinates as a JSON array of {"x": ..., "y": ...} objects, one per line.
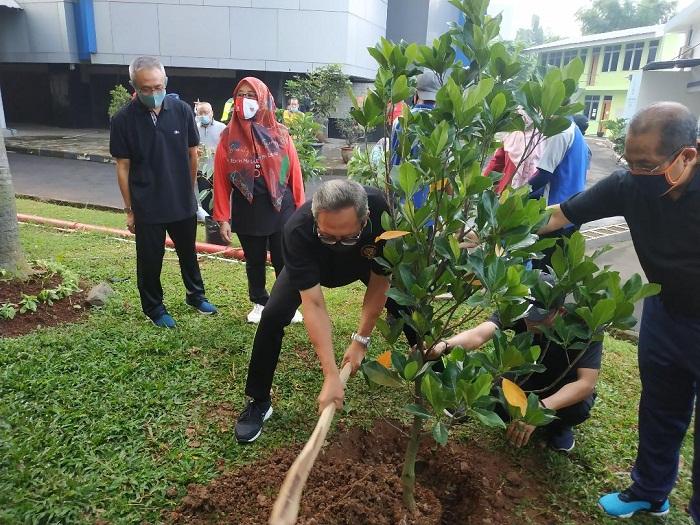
[{"x": 152, "y": 101}]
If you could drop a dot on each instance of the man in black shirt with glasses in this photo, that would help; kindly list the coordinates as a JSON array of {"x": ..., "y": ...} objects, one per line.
[
  {"x": 331, "y": 242},
  {"x": 659, "y": 196}
]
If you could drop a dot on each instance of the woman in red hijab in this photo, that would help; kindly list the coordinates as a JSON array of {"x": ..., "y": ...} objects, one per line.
[{"x": 257, "y": 184}]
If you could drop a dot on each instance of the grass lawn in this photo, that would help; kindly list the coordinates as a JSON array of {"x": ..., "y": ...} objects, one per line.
[
  {"x": 111, "y": 418},
  {"x": 85, "y": 215}
]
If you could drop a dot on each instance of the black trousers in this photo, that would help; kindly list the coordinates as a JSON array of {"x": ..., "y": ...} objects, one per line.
[
  {"x": 255, "y": 249},
  {"x": 573, "y": 415},
  {"x": 278, "y": 313},
  {"x": 150, "y": 249}
]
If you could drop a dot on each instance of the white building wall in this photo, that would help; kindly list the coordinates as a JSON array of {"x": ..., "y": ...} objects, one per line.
[
  {"x": 657, "y": 86},
  {"x": 41, "y": 32},
  {"x": 264, "y": 35}
]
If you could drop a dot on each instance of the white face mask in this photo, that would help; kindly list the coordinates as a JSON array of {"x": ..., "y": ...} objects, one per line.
[{"x": 250, "y": 108}]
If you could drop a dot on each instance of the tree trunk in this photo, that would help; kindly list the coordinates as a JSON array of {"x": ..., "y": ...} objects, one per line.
[
  {"x": 10, "y": 253},
  {"x": 408, "y": 474}
]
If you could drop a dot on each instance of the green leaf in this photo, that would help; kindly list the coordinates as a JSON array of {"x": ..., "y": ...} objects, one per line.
[
  {"x": 647, "y": 290},
  {"x": 432, "y": 390},
  {"x": 400, "y": 89},
  {"x": 488, "y": 417},
  {"x": 498, "y": 105},
  {"x": 440, "y": 433},
  {"x": 409, "y": 372},
  {"x": 603, "y": 312},
  {"x": 476, "y": 94},
  {"x": 417, "y": 410},
  {"x": 408, "y": 178},
  {"x": 401, "y": 297},
  {"x": 574, "y": 69},
  {"x": 376, "y": 373}
]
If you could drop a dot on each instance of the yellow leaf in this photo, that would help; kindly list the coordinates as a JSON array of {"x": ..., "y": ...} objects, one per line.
[
  {"x": 385, "y": 359},
  {"x": 391, "y": 234},
  {"x": 440, "y": 184},
  {"x": 499, "y": 250},
  {"x": 514, "y": 395},
  {"x": 472, "y": 280}
]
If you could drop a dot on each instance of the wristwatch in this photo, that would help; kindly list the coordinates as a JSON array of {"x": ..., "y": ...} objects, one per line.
[{"x": 362, "y": 339}]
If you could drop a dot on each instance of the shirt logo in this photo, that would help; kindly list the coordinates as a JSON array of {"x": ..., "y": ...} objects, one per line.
[{"x": 369, "y": 251}]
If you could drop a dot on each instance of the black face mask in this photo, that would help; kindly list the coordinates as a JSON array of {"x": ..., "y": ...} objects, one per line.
[
  {"x": 652, "y": 185},
  {"x": 341, "y": 248}
]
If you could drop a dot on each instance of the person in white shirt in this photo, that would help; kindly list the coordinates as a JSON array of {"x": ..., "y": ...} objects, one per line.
[{"x": 209, "y": 129}]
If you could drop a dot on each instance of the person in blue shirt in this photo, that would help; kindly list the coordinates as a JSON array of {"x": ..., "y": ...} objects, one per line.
[
  {"x": 561, "y": 173},
  {"x": 427, "y": 86}
]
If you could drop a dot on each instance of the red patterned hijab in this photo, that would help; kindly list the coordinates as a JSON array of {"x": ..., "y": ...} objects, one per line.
[{"x": 256, "y": 147}]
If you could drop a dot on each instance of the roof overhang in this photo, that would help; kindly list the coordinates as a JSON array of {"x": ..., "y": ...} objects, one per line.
[
  {"x": 12, "y": 4},
  {"x": 611, "y": 37},
  {"x": 672, "y": 64}
]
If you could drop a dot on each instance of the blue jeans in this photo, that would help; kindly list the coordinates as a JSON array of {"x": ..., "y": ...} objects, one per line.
[{"x": 669, "y": 368}]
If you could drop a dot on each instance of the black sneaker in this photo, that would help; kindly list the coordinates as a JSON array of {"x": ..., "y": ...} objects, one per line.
[{"x": 250, "y": 423}]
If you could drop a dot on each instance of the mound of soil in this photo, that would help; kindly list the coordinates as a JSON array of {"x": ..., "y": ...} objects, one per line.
[
  {"x": 356, "y": 481},
  {"x": 67, "y": 310}
]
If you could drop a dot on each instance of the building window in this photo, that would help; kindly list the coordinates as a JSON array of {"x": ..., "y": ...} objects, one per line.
[
  {"x": 569, "y": 56},
  {"x": 653, "y": 49},
  {"x": 591, "y": 103},
  {"x": 633, "y": 56},
  {"x": 611, "y": 56},
  {"x": 554, "y": 59},
  {"x": 543, "y": 59},
  {"x": 582, "y": 55}
]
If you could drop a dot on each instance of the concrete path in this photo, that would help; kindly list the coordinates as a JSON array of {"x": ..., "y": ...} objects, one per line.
[{"x": 65, "y": 180}]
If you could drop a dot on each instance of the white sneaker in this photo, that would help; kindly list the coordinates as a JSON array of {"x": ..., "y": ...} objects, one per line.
[
  {"x": 255, "y": 313},
  {"x": 298, "y": 318}
]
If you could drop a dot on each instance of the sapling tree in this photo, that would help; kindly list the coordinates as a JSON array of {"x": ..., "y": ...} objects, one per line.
[{"x": 443, "y": 150}]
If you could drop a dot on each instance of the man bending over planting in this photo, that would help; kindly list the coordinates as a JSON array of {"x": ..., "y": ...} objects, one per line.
[{"x": 332, "y": 242}]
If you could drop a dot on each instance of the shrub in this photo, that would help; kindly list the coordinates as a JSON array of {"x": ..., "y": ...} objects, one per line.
[
  {"x": 321, "y": 89},
  {"x": 118, "y": 98}
]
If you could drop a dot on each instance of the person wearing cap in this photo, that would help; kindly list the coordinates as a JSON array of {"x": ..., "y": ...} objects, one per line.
[
  {"x": 570, "y": 393},
  {"x": 659, "y": 197},
  {"x": 427, "y": 86}
]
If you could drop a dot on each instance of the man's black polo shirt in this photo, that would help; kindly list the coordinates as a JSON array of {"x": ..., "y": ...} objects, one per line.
[
  {"x": 309, "y": 262},
  {"x": 159, "y": 176},
  {"x": 665, "y": 233}
]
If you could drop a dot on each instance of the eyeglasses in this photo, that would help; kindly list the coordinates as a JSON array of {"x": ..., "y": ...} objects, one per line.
[
  {"x": 151, "y": 90},
  {"x": 656, "y": 170},
  {"x": 331, "y": 240},
  {"x": 247, "y": 95}
]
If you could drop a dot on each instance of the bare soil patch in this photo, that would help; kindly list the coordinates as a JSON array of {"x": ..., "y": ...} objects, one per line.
[
  {"x": 356, "y": 481},
  {"x": 66, "y": 310}
]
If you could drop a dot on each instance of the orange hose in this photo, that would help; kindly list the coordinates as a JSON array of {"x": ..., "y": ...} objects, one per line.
[{"x": 201, "y": 247}]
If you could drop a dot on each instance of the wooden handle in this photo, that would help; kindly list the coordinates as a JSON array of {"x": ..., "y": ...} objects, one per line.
[{"x": 286, "y": 508}]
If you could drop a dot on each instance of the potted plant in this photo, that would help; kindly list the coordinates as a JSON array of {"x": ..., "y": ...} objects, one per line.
[
  {"x": 205, "y": 187},
  {"x": 352, "y": 132}
]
